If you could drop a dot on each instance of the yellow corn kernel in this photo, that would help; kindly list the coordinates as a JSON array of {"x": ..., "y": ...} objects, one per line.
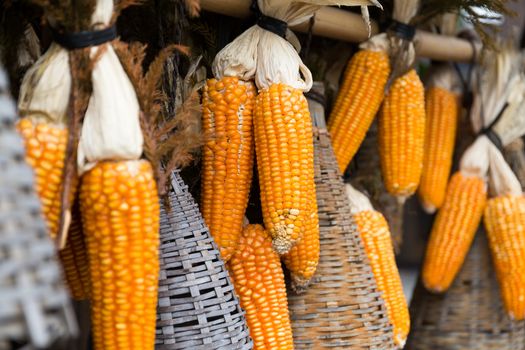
[
  {"x": 505, "y": 222},
  {"x": 45, "y": 146},
  {"x": 258, "y": 278},
  {"x": 402, "y": 135},
  {"x": 120, "y": 217},
  {"x": 377, "y": 240},
  {"x": 453, "y": 231},
  {"x": 74, "y": 260},
  {"x": 357, "y": 103},
  {"x": 442, "y": 108},
  {"x": 227, "y": 158},
  {"x": 285, "y": 156}
]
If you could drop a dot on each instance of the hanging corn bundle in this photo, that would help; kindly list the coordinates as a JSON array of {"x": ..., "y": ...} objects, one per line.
[
  {"x": 342, "y": 307},
  {"x": 375, "y": 234},
  {"x": 359, "y": 98},
  {"x": 466, "y": 195},
  {"x": 283, "y": 136},
  {"x": 258, "y": 278},
  {"x": 34, "y": 306},
  {"x": 402, "y": 115}
]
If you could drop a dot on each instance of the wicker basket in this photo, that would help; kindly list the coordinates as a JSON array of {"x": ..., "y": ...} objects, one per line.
[
  {"x": 34, "y": 303},
  {"x": 470, "y": 315},
  {"x": 197, "y": 306},
  {"x": 342, "y": 308}
]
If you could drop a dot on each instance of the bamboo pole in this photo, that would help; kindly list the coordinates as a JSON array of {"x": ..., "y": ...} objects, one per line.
[{"x": 342, "y": 25}]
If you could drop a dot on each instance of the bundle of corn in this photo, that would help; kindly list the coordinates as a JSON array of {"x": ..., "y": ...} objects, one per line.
[
  {"x": 375, "y": 234},
  {"x": 34, "y": 305},
  {"x": 466, "y": 195},
  {"x": 342, "y": 307},
  {"x": 470, "y": 315},
  {"x": 259, "y": 280},
  {"x": 402, "y": 115},
  {"x": 282, "y": 125},
  {"x": 197, "y": 307},
  {"x": 442, "y": 114},
  {"x": 359, "y": 98}
]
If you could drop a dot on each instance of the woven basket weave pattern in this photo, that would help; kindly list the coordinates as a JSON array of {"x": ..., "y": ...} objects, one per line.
[
  {"x": 470, "y": 315},
  {"x": 197, "y": 306},
  {"x": 342, "y": 308},
  {"x": 34, "y": 303}
]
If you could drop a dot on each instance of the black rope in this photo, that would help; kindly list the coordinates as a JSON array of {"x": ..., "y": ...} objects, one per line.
[
  {"x": 402, "y": 30},
  {"x": 80, "y": 40},
  {"x": 317, "y": 97},
  {"x": 271, "y": 24},
  {"x": 491, "y": 134},
  {"x": 468, "y": 96}
]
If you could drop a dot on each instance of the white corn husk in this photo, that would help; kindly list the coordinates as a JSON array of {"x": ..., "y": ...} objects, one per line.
[
  {"x": 266, "y": 57},
  {"x": 444, "y": 77},
  {"x": 358, "y": 201},
  {"x": 111, "y": 128},
  {"x": 502, "y": 179},
  {"x": 475, "y": 160},
  {"x": 511, "y": 125}
]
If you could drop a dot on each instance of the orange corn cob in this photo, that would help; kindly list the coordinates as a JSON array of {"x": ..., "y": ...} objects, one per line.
[
  {"x": 285, "y": 157},
  {"x": 505, "y": 222},
  {"x": 45, "y": 151},
  {"x": 453, "y": 231},
  {"x": 440, "y": 135},
  {"x": 402, "y": 135},
  {"x": 120, "y": 216},
  {"x": 377, "y": 240},
  {"x": 303, "y": 258},
  {"x": 227, "y": 158},
  {"x": 357, "y": 103},
  {"x": 74, "y": 260},
  {"x": 258, "y": 278}
]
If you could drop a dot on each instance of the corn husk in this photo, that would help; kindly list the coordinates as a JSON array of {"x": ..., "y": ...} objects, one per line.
[
  {"x": 475, "y": 160},
  {"x": 445, "y": 77},
  {"x": 502, "y": 180},
  {"x": 358, "y": 201},
  {"x": 266, "y": 57},
  {"x": 111, "y": 128}
]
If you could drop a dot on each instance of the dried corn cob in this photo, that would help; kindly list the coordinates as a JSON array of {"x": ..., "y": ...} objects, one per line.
[
  {"x": 376, "y": 237},
  {"x": 402, "y": 135},
  {"x": 227, "y": 158},
  {"x": 442, "y": 109},
  {"x": 357, "y": 102},
  {"x": 505, "y": 222},
  {"x": 45, "y": 145},
  {"x": 258, "y": 279},
  {"x": 74, "y": 259},
  {"x": 284, "y": 148},
  {"x": 453, "y": 230},
  {"x": 120, "y": 214}
]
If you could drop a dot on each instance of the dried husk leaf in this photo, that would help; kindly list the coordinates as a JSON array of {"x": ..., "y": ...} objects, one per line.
[
  {"x": 358, "y": 201},
  {"x": 403, "y": 53},
  {"x": 502, "y": 179},
  {"x": 266, "y": 57},
  {"x": 475, "y": 160},
  {"x": 445, "y": 77},
  {"x": 511, "y": 125}
]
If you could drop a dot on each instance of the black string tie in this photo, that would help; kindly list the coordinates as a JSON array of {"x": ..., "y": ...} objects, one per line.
[
  {"x": 491, "y": 134},
  {"x": 81, "y": 40},
  {"x": 402, "y": 30}
]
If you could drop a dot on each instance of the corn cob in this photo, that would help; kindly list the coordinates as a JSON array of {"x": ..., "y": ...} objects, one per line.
[
  {"x": 75, "y": 261},
  {"x": 120, "y": 216},
  {"x": 45, "y": 145},
  {"x": 284, "y": 148},
  {"x": 258, "y": 278},
  {"x": 377, "y": 241},
  {"x": 505, "y": 222},
  {"x": 402, "y": 135},
  {"x": 357, "y": 103},
  {"x": 440, "y": 135},
  {"x": 227, "y": 158},
  {"x": 453, "y": 230}
]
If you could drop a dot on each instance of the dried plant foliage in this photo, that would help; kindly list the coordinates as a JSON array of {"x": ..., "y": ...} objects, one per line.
[{"x": 169, "y": 141}]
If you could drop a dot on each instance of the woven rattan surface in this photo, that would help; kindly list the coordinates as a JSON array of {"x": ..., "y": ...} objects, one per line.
[
  {"x": 197, "y": 306},
  {"x": 34, "y": 304},
  {"x": 342, "y": 308},
  {"x": 470, "y": 315}
]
